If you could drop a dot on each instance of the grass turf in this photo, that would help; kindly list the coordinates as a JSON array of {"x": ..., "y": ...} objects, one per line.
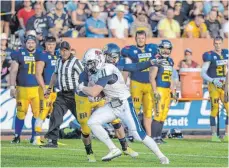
[{"x": 182, "y": 153}]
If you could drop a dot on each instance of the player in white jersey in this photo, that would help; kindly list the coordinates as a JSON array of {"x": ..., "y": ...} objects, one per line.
[{"x": 108, "y": 78}]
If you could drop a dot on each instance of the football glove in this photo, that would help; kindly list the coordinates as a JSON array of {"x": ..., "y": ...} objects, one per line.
[{"x": 218, "y": 82}]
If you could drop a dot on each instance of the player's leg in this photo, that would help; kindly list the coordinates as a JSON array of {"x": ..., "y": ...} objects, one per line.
[
  {"x": 56, "y": 119},
  {"x": 22, "y": 108},
  {"x": 147, "y": 108},
  {"x": 159, "y": 105},
  {"x": 214, "y": 97},
  {"x": 101, "y": 116},
  {"x": 120, "y": 133},
  {"x": 130, "y": 118},
  {"x": 165, "y": 110},
  {"x": 226, "y": 106},
  {"x": 35, "y": 105},
  {"x": 136, "y": 94},
  {"x": 83, "y": 111}
]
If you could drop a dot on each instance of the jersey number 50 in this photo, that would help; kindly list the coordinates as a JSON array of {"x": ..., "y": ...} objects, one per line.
[{"x": 32, "y": 67}]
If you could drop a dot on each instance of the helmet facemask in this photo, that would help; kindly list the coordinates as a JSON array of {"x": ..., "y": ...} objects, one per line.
[
  {"x": 165, "y": 52},
  {"x": 91, "y": 66},
  {"x": 112, "y": 58}
]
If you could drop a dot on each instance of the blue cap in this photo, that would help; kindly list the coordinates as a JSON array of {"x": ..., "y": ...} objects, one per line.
[{"x": 30, "y": 37}]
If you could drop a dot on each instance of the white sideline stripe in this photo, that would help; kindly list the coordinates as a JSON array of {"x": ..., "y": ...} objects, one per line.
[
  {"x": 203, "y": 121},
  {"x": 143, "y": 153}
]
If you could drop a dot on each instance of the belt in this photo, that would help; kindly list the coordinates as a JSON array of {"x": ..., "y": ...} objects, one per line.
[{"x": 69, "y": 91}]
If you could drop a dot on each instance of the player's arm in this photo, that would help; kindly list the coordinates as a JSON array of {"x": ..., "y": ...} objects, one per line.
[
  {"x": 39, "y": 71},
  {"x": 152, "y": 77},
  {"x": 98, "y": 87},
  {"x": 13, "y": 75}
]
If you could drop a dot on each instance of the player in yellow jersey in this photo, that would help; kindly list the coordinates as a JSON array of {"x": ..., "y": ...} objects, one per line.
[
  {"x": 45, "y": 65},
  {"x": 214, "y": 71},
  {"x": 24, "y": 86}
]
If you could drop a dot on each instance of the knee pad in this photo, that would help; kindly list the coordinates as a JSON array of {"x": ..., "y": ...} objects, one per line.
[
  {"x": 226, "y": 121},
  {"x": 85, "y": 129},
  {"x": 117, "y": 126},
  {"x": 212, "y": 121},
  {"x": 21, "y": 115}
]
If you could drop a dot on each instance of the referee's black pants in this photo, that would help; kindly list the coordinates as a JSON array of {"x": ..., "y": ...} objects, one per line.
[{"x": 65, "y": 101}]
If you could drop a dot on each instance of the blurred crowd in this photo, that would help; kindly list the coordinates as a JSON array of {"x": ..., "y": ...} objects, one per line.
[{"x": 108, "y": 18}]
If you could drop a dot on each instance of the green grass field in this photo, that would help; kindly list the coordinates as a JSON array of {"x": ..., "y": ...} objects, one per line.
[{"x": 182, "y": 153}]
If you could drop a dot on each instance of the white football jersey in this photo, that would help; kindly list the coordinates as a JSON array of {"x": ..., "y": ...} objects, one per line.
[{"x": 111, "y": 91}]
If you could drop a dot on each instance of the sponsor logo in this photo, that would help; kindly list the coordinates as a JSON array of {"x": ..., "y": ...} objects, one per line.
[
  {"x": 28, "y": 58},
  {"x": 221, "y": 62},
  {"x": 144, "y": 55}
]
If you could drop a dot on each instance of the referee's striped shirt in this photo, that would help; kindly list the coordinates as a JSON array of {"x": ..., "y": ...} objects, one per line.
[{"x": 68, "y": 73}]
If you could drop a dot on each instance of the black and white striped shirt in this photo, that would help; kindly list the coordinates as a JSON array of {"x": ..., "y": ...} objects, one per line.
[{"x": 68, "y": 73}]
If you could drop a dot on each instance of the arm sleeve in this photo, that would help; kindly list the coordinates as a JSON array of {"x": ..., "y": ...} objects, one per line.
[
  {"x": 56, "y": 67},
  {"x": 83, "y": 78},
  {"x": 40, "y": 56},
  {"x": 136, "y": 66},
  {"x": 124, "y": 51},
  {"x": 110, "y": 79}
]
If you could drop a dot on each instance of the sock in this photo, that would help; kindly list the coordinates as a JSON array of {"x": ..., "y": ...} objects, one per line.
[
  {"x": 155, "y": 128},
  {"x": 88, "y": 149},
  {"x": 150, "y": 143},
  {"x": 212, "y": 121},
  {"x": 102, "y": 135},
  {"x": 123, "y": 144},
  {"x": 18, "y": 126},
  {"x": 33, "y": 127},
  {"x": 159, "y": 133},
  {"x": 226, "y": 121}
]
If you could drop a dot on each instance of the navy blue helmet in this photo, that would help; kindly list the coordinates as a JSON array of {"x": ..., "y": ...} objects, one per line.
[
  {"x": 112, "y": 53},
  {"x": 165, "y": 48}
]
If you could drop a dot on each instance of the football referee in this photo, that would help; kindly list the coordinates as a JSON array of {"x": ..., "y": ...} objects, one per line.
[{"x": 67, "y": 71}]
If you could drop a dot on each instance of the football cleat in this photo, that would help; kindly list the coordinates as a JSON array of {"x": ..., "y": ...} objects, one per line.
[
  {"x": 16, "y": 140},
  {"x": 164, "y": 160},
  {"x": 130, "y": 152},
  {"x": 91, "y": 158},
  {"x": 215, "y": 138},
  {"x": 112, "y": 154},
  {"x": 37, "y": 141}
]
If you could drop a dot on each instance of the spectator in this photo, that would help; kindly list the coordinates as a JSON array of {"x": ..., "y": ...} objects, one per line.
[
  {"x": 60, "y": 20},
  {"x": 23, "y": 16},
  {"x": 103, "y": 14},
  {"x": 42, "y": 24},
  {"x": 50, "y": 5},
  {"x": 168, "y": 27},
  {"x": 187, "y": 6},
  {"x": 4, "y": 46},
  {"x": 7, "y": 11},
  {"x": 196, "y": 28},
  {"x": 79, "y": 18},
  {"x": 149, "y": 7},
  {"x": 156, "y": 16},
  {"x": 169, "y": 4},
  {"x": 71, "y": 6},
  {"x": 95, "y": 28},
  {"x": 128, "y": 16},
  {"x": 188, "y": 62},
  {"x": 179, "y": 16},
  {"x": 226, "y": 27},
  {"x": 5, "y": 70},
  {"x": 118, "y": 25},
  {"x": 197, "y": 9},
  {"x": 213, "y": 25},
  {"x": 141, "y": 23},
  {"x": 214, "y": 5}
]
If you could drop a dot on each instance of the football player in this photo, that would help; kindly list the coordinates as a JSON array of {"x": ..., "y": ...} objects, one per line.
[
  {"x": 107, "y": 78},
  {"x": 140, "y": 86},
  {"x": 214, "y": 71},
  {"x": 161, "y": 81},
  {"x": 45, "y": 65},
  {"x": 24, "y": 86}
]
